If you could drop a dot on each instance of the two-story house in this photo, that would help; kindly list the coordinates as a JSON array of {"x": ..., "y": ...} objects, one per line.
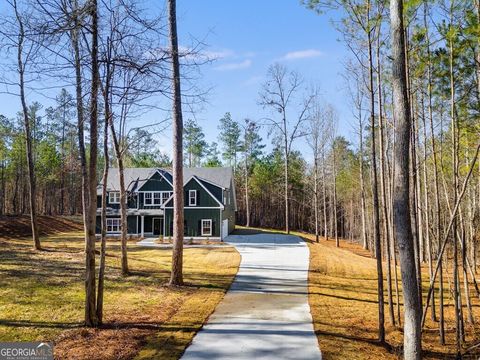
[{"x": 209, "y": 208}]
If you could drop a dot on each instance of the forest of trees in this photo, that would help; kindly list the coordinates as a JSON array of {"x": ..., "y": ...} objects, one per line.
[{"x": 335, "y": 187}]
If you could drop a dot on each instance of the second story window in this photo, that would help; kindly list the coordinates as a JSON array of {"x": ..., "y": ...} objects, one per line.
[
  {"x": 192, "y": 197},
  {"x": 156, "y": 198},
  {"x": 166, "y": 195},
  {"x": 114, "y": 197},
  {"x": 148, "y": 198}
]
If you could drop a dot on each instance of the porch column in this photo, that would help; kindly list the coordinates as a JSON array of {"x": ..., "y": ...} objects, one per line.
[{"x": 142, "y": 222}]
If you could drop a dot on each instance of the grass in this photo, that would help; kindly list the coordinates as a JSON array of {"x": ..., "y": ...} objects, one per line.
[
  {"x": 344, "y": 306},
  {"x": 42, "y": 294},
  {"x": 343, "y": 302}
]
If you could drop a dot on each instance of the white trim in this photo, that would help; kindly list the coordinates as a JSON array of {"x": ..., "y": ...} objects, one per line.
[
  {"x": 208, "y": 191},
  {"x": 115, "y": 194},
  {"x": 118, "y": 225},
  {"x": 211, "y": 227},
  {"x": 196, "y": 207},
  {"x": 158, "y": 170},
  {"x": 190, "y": 202},
  {"x": 153, "y": 193},
  {"x": 153, "y": 173},
  {"x": 211, "y": 183}
]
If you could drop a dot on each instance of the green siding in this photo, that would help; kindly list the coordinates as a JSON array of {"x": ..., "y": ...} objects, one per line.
[
  {"x": 131, "y": 223},
  {"x": 156, "y": 183},
  {"x": 204, "y": 199},
  {"x": 192, "y": 222},
  {"x": 131, "y": 201},
  {"x": 215, "y": 190}
]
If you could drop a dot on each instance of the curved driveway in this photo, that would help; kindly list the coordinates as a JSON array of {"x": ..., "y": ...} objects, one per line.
[{"x": 265, "y": 314}]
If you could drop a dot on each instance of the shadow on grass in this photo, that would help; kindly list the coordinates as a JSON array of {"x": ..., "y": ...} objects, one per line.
[{"x": 41, "y": 324}]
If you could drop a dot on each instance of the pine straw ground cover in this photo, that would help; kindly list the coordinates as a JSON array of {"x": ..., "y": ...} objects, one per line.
[
  {"x": 343, "y": 302},
  {"x": 42, "y": 294}
]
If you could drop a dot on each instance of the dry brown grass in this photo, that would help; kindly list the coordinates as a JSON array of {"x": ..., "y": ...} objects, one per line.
[
  {"x": 41, "y": 297},
  {"x": 343, "y": 302}
]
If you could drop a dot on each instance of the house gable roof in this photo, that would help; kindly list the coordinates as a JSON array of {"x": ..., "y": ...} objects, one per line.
[
  {"x": 169, "y": 202},
  {"x": 135, "y": 178}
]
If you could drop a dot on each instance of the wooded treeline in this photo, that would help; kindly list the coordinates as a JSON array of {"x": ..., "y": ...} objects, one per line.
[
  {"x": 349, "y": 190},
  {"x": 111, "y": 63},
  {"x": 55, "y": 150},
  {"x": 114, "y": 62}
]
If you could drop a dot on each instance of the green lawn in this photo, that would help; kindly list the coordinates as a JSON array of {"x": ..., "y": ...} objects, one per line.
[{"x": 42, "y": 293}]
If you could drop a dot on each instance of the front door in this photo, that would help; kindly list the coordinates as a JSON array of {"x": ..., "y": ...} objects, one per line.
[{"x": 157, "y": 226}]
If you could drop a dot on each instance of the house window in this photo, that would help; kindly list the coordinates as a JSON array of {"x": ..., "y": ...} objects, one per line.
[
  {"x": 206, "y": 227},
  {"x": 154, "y": 198},
  {"x": 114, "y": 197},
  {"x": 192, "y": 198},
  {"x": 114, "y": 225},
  {"x": 148, "y": 198},
  {"x": 166, "y": 195}
]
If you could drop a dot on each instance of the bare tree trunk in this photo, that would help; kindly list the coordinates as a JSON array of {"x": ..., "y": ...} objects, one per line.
[
  {"x": 80, "y": 115},
  {"x": 401, "y": 199},
  {"x": 123, "y": 198},
  {"x": 465, "y": 274},
  {"x": 287, "y": 205},
  {"x": 103, "y": 229},
  {"x": 426, "y": 205},
  {"x": 26, "y": 123},
  {"x": 386, "y": 225},
  {"x": 362, "y": 191},
  {"x": 376, "y": 214},
  {"x": 435, "y": 183},
  {"x": 448, "y": 231},
  {"x": 324, "y": 190},
  {"x": 90, "y": 299},
  {"x": 454, "y": 129},
  {"x": 176, "y": 277},
  {"x": 247, "y": 202},
  {"x": 334, "y": 211},
  {"x": 315, "y": 190}
]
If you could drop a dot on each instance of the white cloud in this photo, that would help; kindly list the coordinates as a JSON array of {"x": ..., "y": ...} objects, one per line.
[
  {"x": 235, "y": 66},
  {"x": 302, "y": 54},
  {"x": 254, "y": 80},
  {"x": 220, "y": 54}
]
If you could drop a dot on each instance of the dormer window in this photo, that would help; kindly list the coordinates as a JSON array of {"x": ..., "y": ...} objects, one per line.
[
  {"x": 192, "y": 198},
  {"x": 114, "y": 197}
]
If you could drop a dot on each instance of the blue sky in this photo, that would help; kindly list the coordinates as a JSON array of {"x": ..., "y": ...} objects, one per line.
[
  {"x": 251, "y": 35},
  {"x": 247, "y": 37}
]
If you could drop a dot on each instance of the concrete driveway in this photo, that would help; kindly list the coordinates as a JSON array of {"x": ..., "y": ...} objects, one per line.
[{"x": 265, "y": 314}]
